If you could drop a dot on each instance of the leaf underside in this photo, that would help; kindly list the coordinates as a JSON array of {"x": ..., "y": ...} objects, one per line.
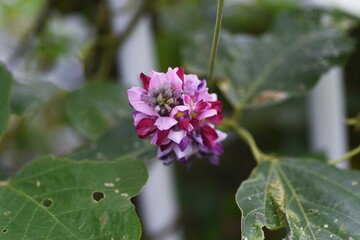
[
  {"x": 97, "y": 107},
  {"x": 310, "y": 199},
  {"x": 287, "y": 61},
  {"x": 61, "y": 199},
  {"x": 119, "y": 141}
]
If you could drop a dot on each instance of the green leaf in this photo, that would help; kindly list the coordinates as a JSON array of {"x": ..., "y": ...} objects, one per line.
[
  {"x": 311, "y": 199},
  {"x": 96, "y": 108},
  {"x": 118, "y": 141},
  {"x": 282, "y": 63},
  {"x": 5, "y": 90},
  {"x": 61, "y": 199},
  {"x": 32, "y": 96}
]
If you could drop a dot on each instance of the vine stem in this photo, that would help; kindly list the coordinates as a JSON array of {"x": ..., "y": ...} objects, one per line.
[
  {"x": 348, "y": 155},
  {"x": 215, "y": 42},
  {"x": 246, "y": 136}
]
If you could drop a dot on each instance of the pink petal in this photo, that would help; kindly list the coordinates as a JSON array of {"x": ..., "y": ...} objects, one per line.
[
  {"x": 206, "y": 114},
  {"x": 157, "y": 79},
  {"x": 138, "y": 116},
  {"x": 165, "y": 123},
  {"x": 176, "y": 136},
  {"x": 180, "y": 108},
  {"x": 174, "y": 79},
  {"x": 143, "y": 107},
  {"x": 134, "y": 94}
]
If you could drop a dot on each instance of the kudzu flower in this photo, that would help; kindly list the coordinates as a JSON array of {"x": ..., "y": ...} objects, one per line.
[{"x": 177, "y": 113}]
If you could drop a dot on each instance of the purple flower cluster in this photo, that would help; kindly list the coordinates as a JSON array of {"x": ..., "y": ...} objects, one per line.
[{"x": 177, "y": 113}]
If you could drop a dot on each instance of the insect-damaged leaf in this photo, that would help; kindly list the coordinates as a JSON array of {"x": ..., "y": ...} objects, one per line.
[
  {"x": 311, "y": 199},
  {"x": 61, "y": 199}
]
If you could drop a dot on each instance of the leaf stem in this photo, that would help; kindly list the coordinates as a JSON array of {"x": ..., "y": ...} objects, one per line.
[
  {"x": 215, "y": 42},
  {"x": 246, "y": 136},
  {"x": 348, "y": 155}
]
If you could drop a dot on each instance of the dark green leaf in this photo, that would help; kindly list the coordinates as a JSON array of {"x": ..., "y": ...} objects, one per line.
[
  {"x": 118, "y": 141},
  {"x": 311, "y": 199},
  {"x": 61, "y": 199},
  {"x": 97, "y": 107},
  {"x": 283, "y": 63},
  {"x": 5, "y": 90}
]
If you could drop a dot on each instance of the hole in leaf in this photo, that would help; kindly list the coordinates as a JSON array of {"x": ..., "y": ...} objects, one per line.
[
  {"x": 107, "y": 233},
  {"x": 47, "y": 202},
  {"x": 97, "y": 196},
  {"x": 280, "y": 233},
  {"x": 5, "y": 230}
]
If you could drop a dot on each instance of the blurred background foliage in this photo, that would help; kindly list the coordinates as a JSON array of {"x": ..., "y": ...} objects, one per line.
[{"x": 56, "y": 47}]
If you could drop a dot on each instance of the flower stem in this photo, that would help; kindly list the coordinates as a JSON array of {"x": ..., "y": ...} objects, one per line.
[
  {"x": 246, "y": 136},
  {"x": 348, "y": 155},
  {"x": 215, "y": 42}
]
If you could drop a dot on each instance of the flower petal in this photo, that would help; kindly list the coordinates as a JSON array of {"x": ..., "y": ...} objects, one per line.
[
  {"x": 145, "y": 80},
  {"x": 177, "y": 136},
  {"x": 183, "y": 154},
  {"x": 206, "y": 114},
  {"x": 180, "y": 108},
  {"x": 209, "y": 135},
  {"x": 173, "y": 78},
  {"x": 165, "y": 123},
  {"x": 180, "y": 73}
]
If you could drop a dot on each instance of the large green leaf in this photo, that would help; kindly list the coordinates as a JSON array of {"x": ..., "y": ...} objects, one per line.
[
  {"x": 284, "y": 62},
  {"x": 61, "y": 199},
  {"x": 95, "y": 108},
  {"x": 311, "y": 199},
  {"x": 118, "y": 141},
  {"x": 5, "y": 89}
]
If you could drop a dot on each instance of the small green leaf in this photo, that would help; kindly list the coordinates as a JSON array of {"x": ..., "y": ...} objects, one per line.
[
  {"x": 5, "y": 91},
  {"x": 61, "y": 199},
  {"x": 118, "y": 141},
  {"x": 97, "y": 107},
  {"x": 282, "y": 63},
  {"x": 311, "y": 199}
]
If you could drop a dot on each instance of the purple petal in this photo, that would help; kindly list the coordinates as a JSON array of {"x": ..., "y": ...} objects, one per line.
[
  {"x": 184, "y": 143},
  {"x": 165, "y": 123},
  {"x": 161, "y": 154},
  {"x": 181, "y": 154}
]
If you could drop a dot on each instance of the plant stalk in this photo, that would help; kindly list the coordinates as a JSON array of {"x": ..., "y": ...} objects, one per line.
[
  {"x": 215, "y": 42},
  {"x": 347, "y": 156}
]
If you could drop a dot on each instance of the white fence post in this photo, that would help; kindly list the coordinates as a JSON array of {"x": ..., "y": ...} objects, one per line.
[
  {"x": 158, "y": 203},
  {"x": 327, "y": 116}
]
